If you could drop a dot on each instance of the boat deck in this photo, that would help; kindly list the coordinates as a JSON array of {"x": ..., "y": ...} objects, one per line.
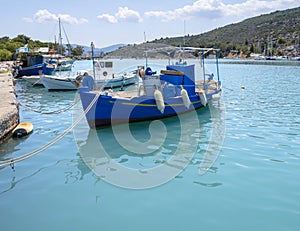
[{"x": 211, "y": 86}]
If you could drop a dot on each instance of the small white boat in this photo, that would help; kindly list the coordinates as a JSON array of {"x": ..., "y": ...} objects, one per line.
[
  {"x": 64, "y": 65},
  {"x": 34, "y": 80},
  {"x": 57, "y": 82},
  {"x": 118, "y": 81},
  {"x": 105, "y": 76}
]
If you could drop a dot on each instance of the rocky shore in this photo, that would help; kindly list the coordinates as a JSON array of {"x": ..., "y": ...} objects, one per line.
[{"x": 9, "y": 112}]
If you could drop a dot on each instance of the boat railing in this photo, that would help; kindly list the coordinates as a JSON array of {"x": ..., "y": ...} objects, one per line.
[
  {"x": 209, "y": 85},
  {"x": 170, "y": 90}
]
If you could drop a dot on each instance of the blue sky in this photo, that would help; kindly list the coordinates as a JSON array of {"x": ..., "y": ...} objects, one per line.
[{"x": 128, "y": 21}]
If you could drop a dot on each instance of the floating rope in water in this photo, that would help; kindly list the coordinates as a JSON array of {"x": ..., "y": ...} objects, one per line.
[
  {"x": 51, "y": 112},
  {"x": 12, "y": 161}
]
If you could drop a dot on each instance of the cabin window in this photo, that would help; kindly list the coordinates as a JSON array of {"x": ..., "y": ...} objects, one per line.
[{"x": 108, "y": 64}]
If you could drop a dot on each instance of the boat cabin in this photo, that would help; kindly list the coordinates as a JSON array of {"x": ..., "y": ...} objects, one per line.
[
  {"x": 170, "y": 81},
  {"x": 103, "y": 70}
]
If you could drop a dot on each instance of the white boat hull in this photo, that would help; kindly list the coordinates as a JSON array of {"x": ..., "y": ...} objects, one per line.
[
  {"x": 58, "y": 83},
  {"x": 33, "y": 79},
  {"x": 117, "y": 82}
]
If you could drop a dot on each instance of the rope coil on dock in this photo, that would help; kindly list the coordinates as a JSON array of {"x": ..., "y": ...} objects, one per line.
[{"x": 12, "y": 161}]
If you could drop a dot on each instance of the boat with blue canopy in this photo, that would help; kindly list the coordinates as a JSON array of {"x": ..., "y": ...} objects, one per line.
[
  {"x": 174, "y": 90},
  {"x": 32, "y": 64}
]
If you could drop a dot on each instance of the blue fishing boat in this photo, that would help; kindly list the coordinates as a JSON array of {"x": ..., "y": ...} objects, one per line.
[
  {"x": 37, "y": 69},
  {"x": 32, "y": 63},
  {"x": 175, "y": 90}
]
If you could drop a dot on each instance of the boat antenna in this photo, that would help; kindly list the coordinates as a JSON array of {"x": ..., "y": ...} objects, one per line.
[
  {"x": 146, "y": 59},
  {"x": 203, "y": 69},
  {"x": 92, "y": 47},
  {"x": 183, "y": 32},
  {"x": 217, "y": 63}
]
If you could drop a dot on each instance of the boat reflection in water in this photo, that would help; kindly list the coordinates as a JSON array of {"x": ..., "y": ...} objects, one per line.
[{"x": 150, "y": 153}]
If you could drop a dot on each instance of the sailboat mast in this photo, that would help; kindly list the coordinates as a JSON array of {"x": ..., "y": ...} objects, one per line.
[
  {"x": 60, "y": 37},
  {"x": 92, "y": 48},
  {"x": 183, "y": 32}
]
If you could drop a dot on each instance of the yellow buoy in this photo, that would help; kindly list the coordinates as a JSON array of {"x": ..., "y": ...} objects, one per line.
[{"x": 22, "y": 129}]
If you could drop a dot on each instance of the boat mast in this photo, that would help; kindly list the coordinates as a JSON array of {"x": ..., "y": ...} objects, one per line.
[
  {"x": 183, "y": 32},
  {"x": 92, "y": 47},
  {"x": 68, "y": 45},
  {"x": 217, "y": 63},
  {"x": 203, "y": 69},
  {"x": 60, "y": 37}
]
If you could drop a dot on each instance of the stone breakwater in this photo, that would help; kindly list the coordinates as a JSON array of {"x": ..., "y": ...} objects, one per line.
[{"x": 9, "y": 111}]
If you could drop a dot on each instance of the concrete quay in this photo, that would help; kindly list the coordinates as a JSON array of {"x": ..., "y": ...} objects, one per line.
[{"x": 9, "y": 111}]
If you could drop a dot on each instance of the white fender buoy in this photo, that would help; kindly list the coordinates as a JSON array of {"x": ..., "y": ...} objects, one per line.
[
  {"x": 142, "y": 91},
  {"x": 23, "y": 129},
  {"x": 185, "y": 98},
  {"x": 203, "y": 98},
  {"x": 216, "y": 96},
  {"x": 159, "y": 101}
]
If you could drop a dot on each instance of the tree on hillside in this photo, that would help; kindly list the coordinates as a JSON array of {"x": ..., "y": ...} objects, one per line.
[
  {"x": 77, "y": 51},
  {"x": 4, "y": 39},
  {"x": 5, "y": 55},
  {"x": 21, "y": 39},
  {"x": 13, "y": 46}
]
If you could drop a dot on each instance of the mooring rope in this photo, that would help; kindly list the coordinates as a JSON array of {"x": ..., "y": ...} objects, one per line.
[
  {"x": 12, "y": 161},
  {"x": 51, "y": 112}
]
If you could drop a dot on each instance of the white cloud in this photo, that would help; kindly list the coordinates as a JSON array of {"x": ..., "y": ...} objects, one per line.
[
  {"x": 107, "y": 17},
  {"x": 72, "y": 20},
  {"x": 45, "y": 16},
  {"x": 124, "y": 14},
  {"x": 27, "y": 19},
  {"x": 254, "y": 7},
  {"x": 200, "y": 8},
  {"x": 213, "y": 9}
]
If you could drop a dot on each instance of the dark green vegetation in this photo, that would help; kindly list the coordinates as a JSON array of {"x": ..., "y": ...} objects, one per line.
[
  {"x": 9, "y": 46},
  {"x": 276, "y": 33}
]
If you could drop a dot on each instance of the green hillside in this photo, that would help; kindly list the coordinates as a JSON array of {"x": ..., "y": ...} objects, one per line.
[{"x": 277, "y": 33}]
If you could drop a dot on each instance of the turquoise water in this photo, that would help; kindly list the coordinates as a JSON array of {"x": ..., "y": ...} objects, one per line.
[{"x": 253, "y": 184}]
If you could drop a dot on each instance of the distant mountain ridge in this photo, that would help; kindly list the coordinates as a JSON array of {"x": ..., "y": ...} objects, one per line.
[
  {"x": 277, "y": 33},
  {"x": 97, "y": 51}
]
